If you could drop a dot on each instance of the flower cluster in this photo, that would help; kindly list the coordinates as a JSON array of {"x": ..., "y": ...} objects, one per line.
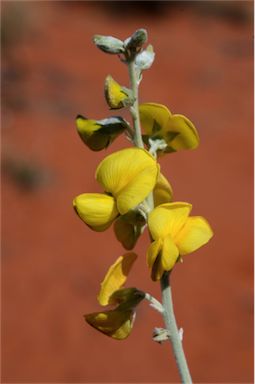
[{"x": 135, "y": 194}]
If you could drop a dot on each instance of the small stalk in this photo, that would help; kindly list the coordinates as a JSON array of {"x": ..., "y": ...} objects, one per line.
[
  {"x": 154, "y": 303},
  {"x": 171, "y": 326}
]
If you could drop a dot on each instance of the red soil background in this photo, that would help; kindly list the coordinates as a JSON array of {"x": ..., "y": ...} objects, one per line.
[{"x": 52, "y": 264}]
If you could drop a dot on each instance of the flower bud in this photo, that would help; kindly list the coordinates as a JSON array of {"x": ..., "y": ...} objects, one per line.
[
  {"x": 145, "y": 59},
  {"x": 137, "y": 40},
  {"x": 116, "y": 96},
  {"x": 98, "y": 134},
  {"x": 109, "y": 44}
]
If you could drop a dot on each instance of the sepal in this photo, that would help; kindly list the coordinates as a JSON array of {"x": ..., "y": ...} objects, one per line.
[{"x": 128, "y": 228}]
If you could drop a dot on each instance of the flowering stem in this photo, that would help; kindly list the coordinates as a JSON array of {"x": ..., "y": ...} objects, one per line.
[
  {"x": 135, "y": 107},
  {"x": 171, "y": 326},
  {"x": 167, "y": 304}
]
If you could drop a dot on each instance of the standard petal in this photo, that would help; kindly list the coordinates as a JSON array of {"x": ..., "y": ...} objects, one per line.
[
  {"x": 154, "y": 117},
  {"x": 153, "y": 251},
  {"x": 137, "y": 190},
  {"x": 116, "y": 323},
  {"x": 195, "y": 233},
  {"x": 162, "y": 192},
  {"x": 97, "y": 210},
  {"x": 169, "y": 253},
  {"x": 115, "y": 277},
  {"x": 168, "y": 219},
  {"x": 129, "y": 175},
  {"x": 180, "y": 133}
]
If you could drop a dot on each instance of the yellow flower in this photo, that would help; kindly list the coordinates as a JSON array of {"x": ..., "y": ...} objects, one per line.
[
  {"x": 98, "y": 134},
  {"x": 127, "y": 176},
  {"x": 117, "y": 323},
  {"x": 116, "y": 96},
  {"x": 177, "y": 131},
  {"x": 175, "y": 234}
]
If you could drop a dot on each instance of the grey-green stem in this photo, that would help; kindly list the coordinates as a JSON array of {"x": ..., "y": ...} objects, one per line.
[
  {"x": 135, "y": 107},
  {"x": 171, "y": 326}
]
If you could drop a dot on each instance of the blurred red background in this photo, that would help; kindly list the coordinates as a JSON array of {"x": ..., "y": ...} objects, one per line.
[{"x": 52, "y": 264}]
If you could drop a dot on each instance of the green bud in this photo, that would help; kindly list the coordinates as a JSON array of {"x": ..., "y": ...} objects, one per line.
[
  {"x": 136, "y": 40},
  {"x": 109, "y": 44}
]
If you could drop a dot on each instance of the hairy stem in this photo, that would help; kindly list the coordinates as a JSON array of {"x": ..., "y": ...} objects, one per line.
[
  {"x": 168, "y": 312},
  {"x": 135, "y": 107},
  {"x": 171, "y": 326}
]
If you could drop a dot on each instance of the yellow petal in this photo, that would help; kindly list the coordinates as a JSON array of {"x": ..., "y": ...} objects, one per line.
[
  {"x": 129, "y": 175},
  {"x": 116, "y": 277},
  {"x": 137, "y": 190},
  {"x": 114, "y": 94},
  {"x": 162, "y": 192},
  {"x": 169, "y": 253},
  {"x": 195, "y": 233},
  {"x": 168, "y": 219},
  {"x": 116, "y": 323},
  {"x": 153, "y": 251},
  {"x": 154, "y": 117},
  {"x": 185, "y": 134},
  {"x": 97, "y": 210}
]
